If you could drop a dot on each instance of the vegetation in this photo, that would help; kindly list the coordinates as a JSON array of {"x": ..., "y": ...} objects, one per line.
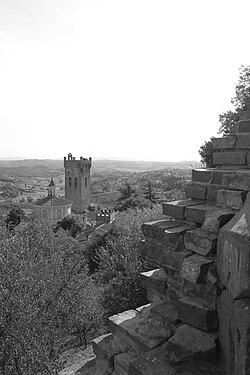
[
  {"x": 71, "y": 225},
  {"x": 229, "y": 119}
]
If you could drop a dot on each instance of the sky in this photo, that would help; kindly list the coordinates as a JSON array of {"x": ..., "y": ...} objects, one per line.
[{"x": 123, "y": 79}]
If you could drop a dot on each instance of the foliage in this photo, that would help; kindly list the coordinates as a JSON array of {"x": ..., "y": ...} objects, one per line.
[
  {"x": 46, "y": 293},
  {"x": 126, "y": 192},
  {"x": 136, "y": 201},
  {"x": 206, "y": 153},
  {"x": 14, "y": 217},
  {"x": 228, "y": 122},
  {"x": 149, "y": 194},
  {"x": 120, "y": 262},
  {"x": 70, "y": 224}
]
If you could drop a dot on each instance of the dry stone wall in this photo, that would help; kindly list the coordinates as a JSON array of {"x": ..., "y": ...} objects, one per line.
[{"x": 197, "y": 321}]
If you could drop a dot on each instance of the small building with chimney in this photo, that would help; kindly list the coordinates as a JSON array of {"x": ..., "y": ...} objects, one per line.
[{"x": 52, "y": 208}]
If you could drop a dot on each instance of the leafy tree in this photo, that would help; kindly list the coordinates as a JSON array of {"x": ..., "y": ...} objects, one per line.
[
  {"x": 149, "y": 194},
  {"x": 206, "y": 153},
  {"x": 69, "y": 224},
  {"x": 126, "y": 192},
  {"x": 29, "y": 199},
  {"x": 14, "y": 217},
  {"x": 46, "y": 293},
  {"x": 136, "y": 201}
]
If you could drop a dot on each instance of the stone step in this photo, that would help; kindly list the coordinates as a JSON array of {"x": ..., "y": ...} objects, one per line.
[
  {"x": 224, "y": 143},
  {"x": 198, "y": 212},
  {"x": 230, "y": 158},
  {"x": 195, "y": 268},
  {"x": 196, "y": 313},
  {"x": 215, "y": 220},
  {"x": 200, "y": 241},
  {"x": 239, "y": 180},
  {"x": 190, "y": 343},
  {"x": 141, "y": 334},
  {"x": 177, "y": 209},
  {"x": 233, "y": 199},
  {"x": 165, "y": 312},
  {"x": 108, "y": 345},
  {"x": 196, "y": 190},
  {"x": 156, "y": 229},
  {"x": 154, "y": 282},
  {"x": 121, "y": 363}
]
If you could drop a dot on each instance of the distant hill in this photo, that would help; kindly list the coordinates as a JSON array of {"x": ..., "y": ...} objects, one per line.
[{"x": 50, "y": 167}]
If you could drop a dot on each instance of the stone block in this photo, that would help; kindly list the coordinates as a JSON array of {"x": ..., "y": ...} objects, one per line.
[
  {"x": 197, "y": 213},
  {"x": 226, "y": 345},
  {"x": 212, "y": 191},
  {"x": 194, "y": 269},
  {"x": 241, "y": 334},
  {"x": 243, "y": 126},
  {"x": 243, "y": 141},
  {"x": 196, "y": 191},
  {"x": 177, "y": 209},
  {"x": 189, "y": 343},
  {"x": 165, "y": 312},
  {"x": 244, "y": 115},
  {"x": 174, "y": 259},
  {"x": 144, "y": 310},
  {"x": 171, "y": 235},
  {"x": 224, "y": 143},
  {"x": 121, "y": 363},
  {"x": 142, "y": 334},
  {"x": 200, "y": 241},
  {"x": 233, "y": 199},
  {"x": 106, "y": 346},
  {"x": 201, "y": 175},
  {"x": 154, "y": 280},
  {"x": 156, "y": 229},
  {"x": 196, "y": 313},
  {"x": 237, "y": 181},
  {"x": 233, "y": 255},
  {"x": 230, "y": 158},
  {"x": 215, "y": 220}
]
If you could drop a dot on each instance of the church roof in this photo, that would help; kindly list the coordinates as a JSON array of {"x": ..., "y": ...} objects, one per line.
[{"x": 52, "y": 201}]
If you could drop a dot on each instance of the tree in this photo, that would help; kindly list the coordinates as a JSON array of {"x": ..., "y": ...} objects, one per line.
[
  {"x": 149, "y": 194},
  {"x": 14, "y": 217},
  {"x": 229, "y": 119},
  {"x": 29, "y": 199},
  {"x": 126, "y": 192},
  {"x": 45, "y": 295},
  {"x": 69, "y": 224},
  {"x": 135, "y": 202}
]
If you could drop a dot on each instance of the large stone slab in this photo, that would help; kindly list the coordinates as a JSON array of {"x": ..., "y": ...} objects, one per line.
[
  {"x": 154, "y": 280},
  {"x": 194, "y": 269},
  {"x": 156, "y": 229},
  {"x": 243, "y": 126},
  {"x": 233, "y": 253},
  {"x": 200, "y": 241},
  {"x": 106, "y": 346},
  {"x": 233, "y": 199},
  {"x": 237, "y": 180},
  {"x": 215, "y": 220},
  {"x": 142, "y": 334},
  {"x": 224, "y": 143},
  {"x": 202, "y": 175},
  {"x": 177, "y": 209},
  {"x": 243, "y": 141},
  {"x": 212, "y": 191},
  {"x": 241, "y": 334},
  {"x": 174, "y": 259},
  {"x": 165, "y": 312},
  {"x": 190, "y": 343},
  {"x": 196, "y": 191},
  {"x": 121, "y": 363},
  {"x": 244, "y": 115},
  {"x": 229, "y": 158},
  {"x": 226, "y": 345},
  {"x": 197, "y": 213},
  {"x": 197, "y": 313},
  {"x": 172, "y": 235}
]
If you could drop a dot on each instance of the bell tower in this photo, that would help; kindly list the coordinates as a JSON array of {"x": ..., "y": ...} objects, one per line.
[{"x": 77, "y": 182}]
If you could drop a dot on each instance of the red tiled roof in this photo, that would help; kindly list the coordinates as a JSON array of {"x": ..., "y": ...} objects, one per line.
[{"x": 52, "y": 201}]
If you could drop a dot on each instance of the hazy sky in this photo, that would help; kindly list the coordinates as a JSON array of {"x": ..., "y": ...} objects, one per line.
[{"x": 136, "y": 79}]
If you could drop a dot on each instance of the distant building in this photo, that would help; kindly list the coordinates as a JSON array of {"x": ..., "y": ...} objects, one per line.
[
  {"x": 105, "y": 216},
  {"x": 52, "y": 208},
  {"x": 77, "y": 182}
]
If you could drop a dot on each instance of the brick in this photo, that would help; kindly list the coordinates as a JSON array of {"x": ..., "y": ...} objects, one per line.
[
  {"x": 194, "y": 269},
  {"x": 201, "y": 175},
  {"x": 237, "y": 180},
  {"x": 197, "y": 213},
  {"x": 244, "y": 115},
  {"x": 233, "y": 255},
  {"x": 177, "y": 208},
  {"x": 140, "y": 333},
  {"x": 156, "y": 229},
  {"x": 196, "y": 191},
  {"x": 243, "y": 141},
  {"x": 243, "y": 126},
  {"x": 200, "y": 241},
  {"x": 224, "y": 143},
  {"x": 196, "y": 313},
  {"x": 231, "y": 199},
  {"x": 190, "y": 343},
  {"x": 229, "y": 158},
  {"x": 215, "y": 220}
]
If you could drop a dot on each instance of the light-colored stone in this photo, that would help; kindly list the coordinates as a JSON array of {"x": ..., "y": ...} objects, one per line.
[
  {"x": 224, "y": 143},
  {"x": 165, "y": 312},
  {"x": 194, "y": 269},
  {"x": 214, "y": 220},
  {"x": 156, "y": 229},
  {"x": 233, "y": 199},
  {"x": 154, "y": 280},
  {"x": 177, "y": 209},
  {"x": 197, "y": 213},
  {"x": 202, "y": 175},
  {"x": 196, "y": 191},
  {"x": 229, "y": 158},
  {"x": 200, "y": 241},
  {"x": 237, "y": 180}
]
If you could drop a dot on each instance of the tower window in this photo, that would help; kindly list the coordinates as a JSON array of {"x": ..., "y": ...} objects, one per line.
[
  {"x": 75, "y": 181},
  {"x": 86, "y": 182},
  {"x": 70, "y": 181},
  {"x": 59, "y": 214},
  {"x": 45, "y": 214}
]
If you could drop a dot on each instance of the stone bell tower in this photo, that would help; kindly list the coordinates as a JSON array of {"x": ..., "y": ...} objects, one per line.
[{"x": 77, "y": 182}]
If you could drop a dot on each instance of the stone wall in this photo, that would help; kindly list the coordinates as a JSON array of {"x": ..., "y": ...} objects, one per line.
[{"x": 197, "y": 321}]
